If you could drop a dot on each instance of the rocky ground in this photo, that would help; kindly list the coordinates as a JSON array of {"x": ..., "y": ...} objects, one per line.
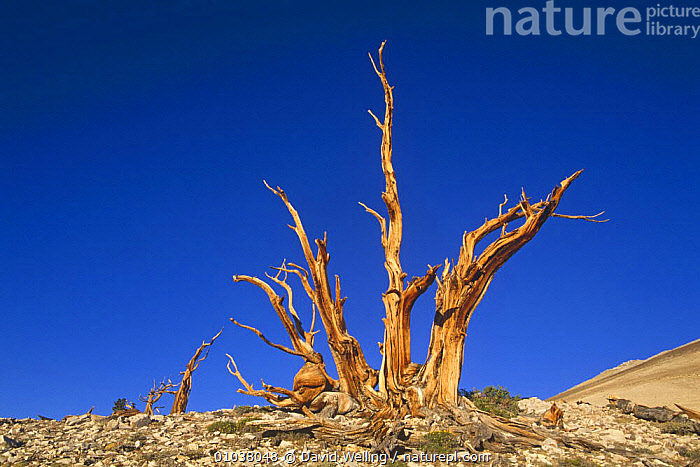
[{"x": 234, "y": 437}]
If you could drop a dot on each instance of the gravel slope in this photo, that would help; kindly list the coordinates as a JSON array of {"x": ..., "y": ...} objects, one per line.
[{"x": 670, "y": 377}]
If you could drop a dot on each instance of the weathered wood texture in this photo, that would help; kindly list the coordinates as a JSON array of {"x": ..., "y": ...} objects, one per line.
[
  {"x": 400, "y": 386},
  {"x": 182, "y": 395}
]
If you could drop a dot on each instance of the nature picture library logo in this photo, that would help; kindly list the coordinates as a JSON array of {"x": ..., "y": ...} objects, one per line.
[{"x": 552, "y": 19}]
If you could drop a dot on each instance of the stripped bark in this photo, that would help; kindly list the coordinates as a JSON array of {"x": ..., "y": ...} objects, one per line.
[
  {"x": 156, "y": 392},
  {"x": 400, "y": 386},
  {"x": 182, "y": 395}
]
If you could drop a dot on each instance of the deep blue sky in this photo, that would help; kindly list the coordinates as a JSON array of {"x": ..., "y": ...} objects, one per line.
[{"x": 135, "y": 140}]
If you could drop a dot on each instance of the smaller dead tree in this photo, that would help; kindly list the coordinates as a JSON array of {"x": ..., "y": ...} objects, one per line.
[
  {"x": 156, "y": 393},
  {"x": 183, "y": 393}
]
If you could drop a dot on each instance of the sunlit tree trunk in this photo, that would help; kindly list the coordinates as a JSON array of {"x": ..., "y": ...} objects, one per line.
[{"x": 399, "y": 386}]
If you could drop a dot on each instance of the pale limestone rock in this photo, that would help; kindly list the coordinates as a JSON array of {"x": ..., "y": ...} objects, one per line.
[
  {"x": 139, "y": 420},
  {"x": 549, "y": 443},
  {"x": 613, "y": 435},
  {"x": 112, "y": 424},
  {"x": 331, "y": 404},
  {"x": 76, "y": 419},
  {"x": 533, "y": 405}
]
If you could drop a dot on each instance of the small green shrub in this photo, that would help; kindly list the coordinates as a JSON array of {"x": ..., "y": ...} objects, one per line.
[
  {"x": 122, "y": 404},
  {"x": 439, "y": 442},
  {"x": 678, "y": 427},
  {"x": 238, "y": 426},
  {"x": 226, "y": 427},
  {"x": 495, "y": 400}
]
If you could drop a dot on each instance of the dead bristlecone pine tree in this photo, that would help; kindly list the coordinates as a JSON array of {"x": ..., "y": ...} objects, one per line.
[
  {"x": 399, "y": 386},
  {"x": 182, "y": 395}
]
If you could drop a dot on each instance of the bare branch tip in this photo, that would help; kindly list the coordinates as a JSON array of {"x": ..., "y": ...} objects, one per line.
[
  {"x": 374, "y": 65},
  {"x": 381, "y": 50},
  {"x": 376, "y": 120},
  {"x": 565, "y": 183},
  {"x": 232, "y": 361},
  {"x": 278, "y": 191}
]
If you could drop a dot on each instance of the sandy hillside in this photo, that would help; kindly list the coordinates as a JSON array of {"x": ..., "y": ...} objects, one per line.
[{"x": 670, "y": 377}]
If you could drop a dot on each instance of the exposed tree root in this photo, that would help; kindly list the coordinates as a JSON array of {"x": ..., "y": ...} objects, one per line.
[{"x": 476, "y": 430}]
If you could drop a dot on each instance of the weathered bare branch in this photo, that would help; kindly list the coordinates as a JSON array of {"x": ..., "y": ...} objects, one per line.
[
  {"x": 502, "y": 205},
  {"x": 183, "y": 392},
  {"x": 471, "y": 239},
  {"x": 583, "y": 217},
  {"x": 283, "y": 283},
  {"x": 394, "y": 232},
  {"x": 382, "y": 223},
  {"x": 296, "y": 333},
  {"x": 311, "y": 332},
  {"x": 309, "y": 382},
  {"x": 303, "y": 275},
  {"x": 376, "y": 120},
  {"x": 265, "y": 340},
  {"x": 694, "y": 414},
  {"x": 156, "y": 393},
  {"x": 353, "y": 371},
  {"x": 270, "y": 397},
  {"x": 397, "y": 368},
  {"x": 298, "y": 227},
  {"x": 417, "y": 287},
  {"x": 462, "y": 290}
]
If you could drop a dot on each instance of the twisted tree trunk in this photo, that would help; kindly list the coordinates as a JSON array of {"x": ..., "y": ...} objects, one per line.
[{"x": 399, "y": 386}]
